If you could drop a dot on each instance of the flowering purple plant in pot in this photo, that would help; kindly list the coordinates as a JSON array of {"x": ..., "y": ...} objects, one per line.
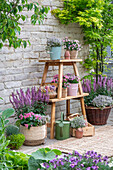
[
  {"x": 65, "y": 84},
  {"x": 73, "y": 46},
  {"x": 73, "y": 81},
  {"x": 31, "y": 100},
  {"x": 103, "y": 87}
]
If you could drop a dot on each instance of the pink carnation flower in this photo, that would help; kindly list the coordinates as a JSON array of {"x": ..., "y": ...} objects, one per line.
[{"x": 26, "y": 125}]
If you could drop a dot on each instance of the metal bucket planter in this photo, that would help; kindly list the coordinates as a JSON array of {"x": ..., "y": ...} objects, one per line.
[
  {"x": 35, "y": 135},
  {"x": 97, "y": 116},
  {"x": 55, "y": 53},
  {"x": 73, "y": 89}
]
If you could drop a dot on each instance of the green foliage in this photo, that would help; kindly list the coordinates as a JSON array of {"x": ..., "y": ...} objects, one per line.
[
  {"x": 96, "y": 21},
  {"x": 17, "y": 123},
  {"x": 11, "y": 18},
  {"x": 19, "y": 160},
  {"x": 4, "y": 164},
  {"x": 11, "y": 129},
  {"x": 40, "y": 156},
  {"x": 16, "y": 141}
]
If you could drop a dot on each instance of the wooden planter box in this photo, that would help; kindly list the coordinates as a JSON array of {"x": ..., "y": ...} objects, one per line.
[{"x": 87, "y": 131}]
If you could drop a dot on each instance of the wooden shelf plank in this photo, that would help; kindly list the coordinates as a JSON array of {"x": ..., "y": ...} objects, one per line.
[
  {"x": 61, "y": 61},
  {"x": 69, "y": 97}
]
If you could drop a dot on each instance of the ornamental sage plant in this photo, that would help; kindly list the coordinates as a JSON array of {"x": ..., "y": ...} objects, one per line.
[
  {"x": 104, "y": 86},
  {"x": 31, "y": 100},
  {"x": 30, "y": 119}
]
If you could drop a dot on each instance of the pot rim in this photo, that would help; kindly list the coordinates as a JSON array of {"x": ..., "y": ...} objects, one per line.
[{"x": 91, "y": 107}]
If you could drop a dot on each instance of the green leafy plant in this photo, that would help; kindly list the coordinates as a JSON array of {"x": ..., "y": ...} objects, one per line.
[
  {"x": 11, "y": 20},
  {"x": 11, "y": 129},
  {"x": 40, "y": 156},
  {"x": 16, "y": 141},
  {"x": 95, "y": 19},
  {"x": 4, "y": 164},
  {"x": 19, "y": 160}
]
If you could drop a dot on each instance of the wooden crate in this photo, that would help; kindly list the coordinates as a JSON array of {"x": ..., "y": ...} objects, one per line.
[{"x": 87, "y": 131}]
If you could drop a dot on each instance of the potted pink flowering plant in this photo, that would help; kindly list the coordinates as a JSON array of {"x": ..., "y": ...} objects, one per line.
[
  {"x": 65, "y": 84},
  {"x": 33, "y": 126},
  {"x": 72, "y": 47},
  {"x": 73, "y": 81}
]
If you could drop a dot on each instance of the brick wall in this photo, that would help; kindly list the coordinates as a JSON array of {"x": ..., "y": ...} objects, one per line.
[{"x": 19, "y": 68}]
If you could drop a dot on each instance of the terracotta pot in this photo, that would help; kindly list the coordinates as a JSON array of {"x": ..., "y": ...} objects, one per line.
[
  {"x": 64, "y": 93},
  {"x": 79, "y": 133},
  {"x": 73, "y": 54},
  {"x": 67, "y": 55},
  {"x": 73, "y": 89},
  {"x": 34, "y": 135},
  {"x": 97, "y": 116}
]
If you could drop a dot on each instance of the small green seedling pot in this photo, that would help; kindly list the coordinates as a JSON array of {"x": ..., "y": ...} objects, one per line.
[{"x": 62, "y": 128}]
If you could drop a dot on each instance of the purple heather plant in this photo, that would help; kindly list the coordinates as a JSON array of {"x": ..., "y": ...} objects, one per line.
[
  {"x": 32, "y": 100},
  {"x": 103, "y": 86},
  {"x": 89, "y": 161}
]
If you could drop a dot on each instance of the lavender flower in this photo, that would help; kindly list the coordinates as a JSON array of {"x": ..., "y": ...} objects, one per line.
[{"x": 30, "y": 100}]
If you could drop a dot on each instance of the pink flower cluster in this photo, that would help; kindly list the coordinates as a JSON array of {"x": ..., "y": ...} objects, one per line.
[
  {"x": 26, "y": 115},
  {"x": 71, "y": 44}
]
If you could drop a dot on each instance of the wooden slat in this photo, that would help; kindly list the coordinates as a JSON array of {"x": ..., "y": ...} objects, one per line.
[
  {"x": 83, "y": 107},
  {"x": 69, "y": 97},
  {"x": 44, "y": 74},
  {"x": 67, "y": 108},
  {"x": 52, "y": 120},
  {"x": 61, "y": 61},
  {"x": 77, "y": 74},
  {"x": 60, "y": 80}
]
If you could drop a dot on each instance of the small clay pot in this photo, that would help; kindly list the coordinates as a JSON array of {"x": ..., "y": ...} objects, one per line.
[
  {"x": 64, "y": 93},
  {"x": 79, "y": 133},
  {"x": 67, "y": 55},
  {"x": 73, "y": 54}
]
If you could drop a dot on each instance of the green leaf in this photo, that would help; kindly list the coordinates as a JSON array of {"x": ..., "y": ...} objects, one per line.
[
  {"x": 43, "y": 155},
  {"x": 57, "y": 152},
  {"x": 25, "y": 44},
  {"x": 33, "y": 164},
  {"x": 7, "y": 113}
]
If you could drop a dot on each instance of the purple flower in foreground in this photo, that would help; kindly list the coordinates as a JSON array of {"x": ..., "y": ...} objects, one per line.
[
  {"x": 95, "y": 167},
  {"x": 88, "y": 168}
]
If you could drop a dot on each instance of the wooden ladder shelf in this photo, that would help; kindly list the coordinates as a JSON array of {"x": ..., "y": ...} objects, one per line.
[{"x": 80, "y": 96}]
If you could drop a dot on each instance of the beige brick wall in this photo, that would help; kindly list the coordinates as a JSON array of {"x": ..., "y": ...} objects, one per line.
[{"x": 19, "y": 68}]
